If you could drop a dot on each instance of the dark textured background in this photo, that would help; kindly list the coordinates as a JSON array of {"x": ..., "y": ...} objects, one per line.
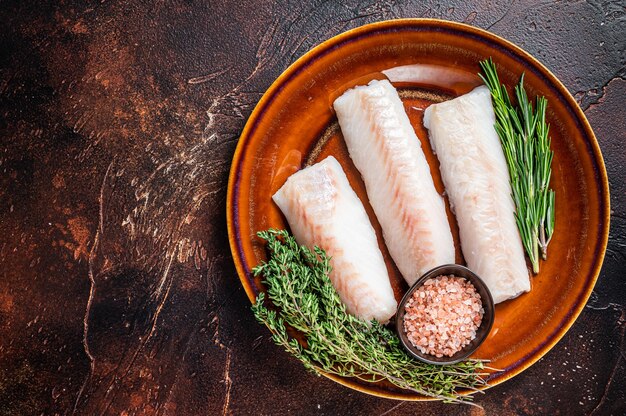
[{"x": 118, "y": 123}]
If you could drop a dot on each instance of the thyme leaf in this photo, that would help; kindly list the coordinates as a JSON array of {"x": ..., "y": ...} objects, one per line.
[{"x": 301, "y": 296}]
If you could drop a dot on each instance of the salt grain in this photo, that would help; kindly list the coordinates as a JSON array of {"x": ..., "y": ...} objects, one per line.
[{"x": 444, "y": 314}]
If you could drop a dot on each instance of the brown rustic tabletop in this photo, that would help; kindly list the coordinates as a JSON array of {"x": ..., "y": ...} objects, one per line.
[{"x": 118, "y": 123}]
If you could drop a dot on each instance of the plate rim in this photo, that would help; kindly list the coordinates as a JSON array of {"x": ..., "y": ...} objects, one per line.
[{"x": 602, "y": 179}]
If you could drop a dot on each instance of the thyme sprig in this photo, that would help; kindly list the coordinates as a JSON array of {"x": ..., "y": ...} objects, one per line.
[
  {"x": 523, "y": 133},
  {"x": 301, "y": 296}
]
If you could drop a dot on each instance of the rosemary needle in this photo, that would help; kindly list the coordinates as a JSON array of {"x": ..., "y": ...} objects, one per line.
[
  {"x": 301, "y": 296},
  {"x": 524, "y": 137}
]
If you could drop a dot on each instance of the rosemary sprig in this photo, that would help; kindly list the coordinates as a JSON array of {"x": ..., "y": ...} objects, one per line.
[
  {"x": 524, "y": 137},
  {"x": 302, "y": 297}
]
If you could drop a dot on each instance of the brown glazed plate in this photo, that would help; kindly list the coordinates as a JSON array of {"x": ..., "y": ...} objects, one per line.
[{"x": 294, "y": 125}]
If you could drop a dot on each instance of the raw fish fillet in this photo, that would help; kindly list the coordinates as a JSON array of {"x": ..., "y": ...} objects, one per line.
[
  {"x": 323, "y": 210},
  {"x": 385, "y": 149},
  {"x": 476, "y": 178}
]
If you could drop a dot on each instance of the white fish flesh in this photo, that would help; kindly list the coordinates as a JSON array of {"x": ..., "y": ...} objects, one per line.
[
  {"x": 476, "y": 178},
  {"x": 400, "y": 188},
  {"x": 323, "y": 210}
]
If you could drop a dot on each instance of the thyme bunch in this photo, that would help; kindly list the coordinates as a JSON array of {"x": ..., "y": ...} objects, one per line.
[
  {"x": 301, "y": 296},
  {"x": 523, "y": 133}
]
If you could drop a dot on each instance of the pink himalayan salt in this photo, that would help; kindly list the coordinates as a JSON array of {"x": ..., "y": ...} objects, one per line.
[{"x": 442, "y": 316}]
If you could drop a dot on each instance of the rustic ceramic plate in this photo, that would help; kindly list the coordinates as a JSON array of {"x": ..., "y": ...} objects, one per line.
[{"x": 429, "y": 61}]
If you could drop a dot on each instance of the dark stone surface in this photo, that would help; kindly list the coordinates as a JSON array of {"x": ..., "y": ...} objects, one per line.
[{"x": 118, "y": 123}]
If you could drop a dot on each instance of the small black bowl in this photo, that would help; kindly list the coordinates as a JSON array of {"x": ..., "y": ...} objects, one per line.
[{"x": 481, "y": 332}]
